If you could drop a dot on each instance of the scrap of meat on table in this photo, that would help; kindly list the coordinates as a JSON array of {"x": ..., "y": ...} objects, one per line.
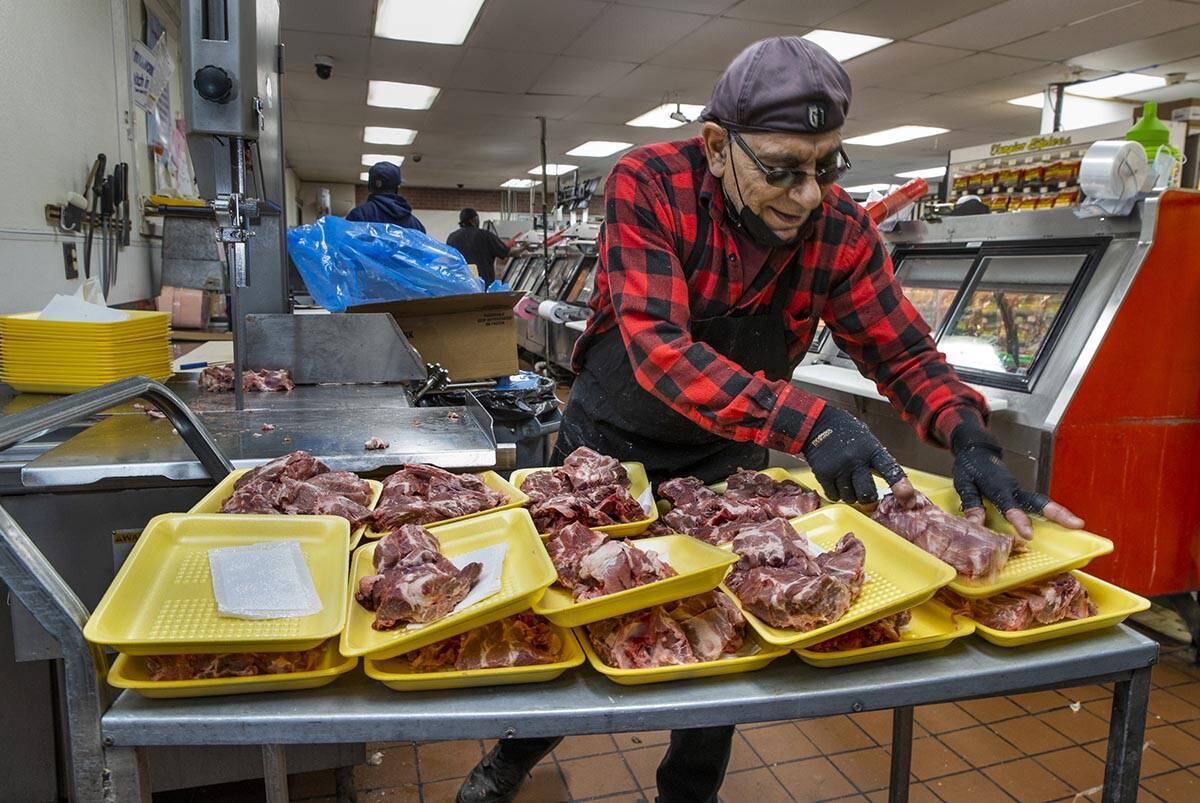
[
  {"x": 693, "y": 630},
  {"x": 589, "y": 488},
  {"x": 591, "y": 564},
  {"x": 413, "y": 580},
  {"x": 421, "y": 494},
  {"x": 1054, "y": 599},
  {"x": 973, "y": 550},
  {"x": 231, "y": 665},
  {"x": 522, "y": 640},
  {"x": 887, "y": 630},
  {"x": 219, "y": 379},
  {"x": 782, "y": 579},
  {"x": 750, "y": 497},
  {"x": 298, "y": 483}
]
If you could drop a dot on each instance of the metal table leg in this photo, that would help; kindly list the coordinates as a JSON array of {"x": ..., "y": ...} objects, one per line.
[
  {"x": 126, "y": 775},
  {"x": 344, "y": 778},
  {"x": 275, "y": 773},
  {"x": 902, "y": 727},
  {"x": 1126, "y": 731}
]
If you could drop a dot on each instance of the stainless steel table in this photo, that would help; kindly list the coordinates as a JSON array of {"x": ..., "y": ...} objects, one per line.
[{"x": 356, "y": 709}]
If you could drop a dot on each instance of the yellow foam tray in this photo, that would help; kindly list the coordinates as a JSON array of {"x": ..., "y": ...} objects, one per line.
[
  {"x": 526, "y": 574},
  {"x": 212, "y": 501},
  {"x": 1113, "y": 605},
  {"x": 397, "y": 673},
  {"x": 931, "y": 628},
  {"x": 899, "y": 575},
  {"x": 492, "y": 480},
  {"x": 161, "y": 601},
  {"x": 745, "y": 660},
  {"x": 139, "y": 321},
  {"x": 922, "y": 480},
  {"x": 639, "y": 484},
  {"x": 51, "y": 387},
  {"x": 129, "y": 672},
  {"x": 700, "y": 567}
]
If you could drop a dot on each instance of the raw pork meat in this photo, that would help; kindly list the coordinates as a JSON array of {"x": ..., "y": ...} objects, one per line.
[
  {"x": 712, "y": 623},
  {"x": 420, "y": 494},
  {"x": 784, "y": 581},
  {"x": 374, "y": 444},
  {"x": 522, "y": 640},
  {"x": 750, "y": 497},
  {"x": 298, "y": 483},
  {"x": 1045, "y": 602},
  {"x": 882, "y": 631},
  {"x": 641, "y": 639},
  {"x": 231, "y": 665},
  {"x": 588, "y": 489},
  {"x": 592, "y": 566},
  {"x": 219, "y": 379},
  {"x": 415, "y": 582},
  {"x": 973, "y": 550}
]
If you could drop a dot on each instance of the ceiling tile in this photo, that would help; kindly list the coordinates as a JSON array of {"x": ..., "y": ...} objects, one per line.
[
  {"x": 1014, "y": 86},
  {"x": 878, "y": 17},
  {"x": 541, "y": 26},
  {"x": 1189, "y": 67},
  {"x": 568, "y": 75},
  {"x": 958, "y": 73},
  {"x": 1013, "y": 20},
  {"x": 897, "y": 60},
  {"x": 349, "y": 52},
  {"x": 695, "y": 6},
  {"x": 651, "y": 82},
  {"x": 413, "y": 62},
  {"x": 1147, "y": 18},
  {"x": 307, "y": 86},
  {"x": 1168, "y": 94},
  {"x": 1145, "y": 54},
  {"x": 790, "y": 12},
  {"x": 714, "y": 44},
  {"x": 499, "y": 70},
  {"x": 871, "y": 102},
  {"x": 629, "y": 33},
  {"x": 611, "y": 111},
  {"x": 354, "y": 17},
  {"x": 506, "y": 104}
]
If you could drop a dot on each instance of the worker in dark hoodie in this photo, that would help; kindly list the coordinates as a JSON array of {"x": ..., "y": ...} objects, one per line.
[{"x": 384, "y": 204}]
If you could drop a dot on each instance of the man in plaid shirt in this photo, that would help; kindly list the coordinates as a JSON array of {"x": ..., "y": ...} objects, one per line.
[{"x": 718, "y": 256}]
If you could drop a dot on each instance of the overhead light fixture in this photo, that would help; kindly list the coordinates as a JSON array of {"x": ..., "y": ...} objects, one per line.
[
  {"x": 446, "y": 22},
  {"x": 399, "y": 95},
  {"x": 668, "y": 115},
  {"x": 364, "y": 176},
  {"x": 890, "y": 136},
  {"x": 371, "y": 159},
  {"x": 382, "y": 135},
  {"x": 519, "y": 183},
  {"x": 1034, "y": 101},
  {"x": 845, "y": 46},
  {"x": 599, "y": 147},
  {"x": 1115, "y": 86},
  {"x": 925, "y": 172},
  {"x": 553, "y": 170},
  {"x": 868, "y": 188}
]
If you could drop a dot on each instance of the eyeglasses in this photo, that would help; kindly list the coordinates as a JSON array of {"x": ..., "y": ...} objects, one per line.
[{"x": 785, "y": 178}]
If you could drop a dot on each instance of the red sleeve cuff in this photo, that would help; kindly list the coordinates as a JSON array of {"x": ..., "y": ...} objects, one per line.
[
  {"x": 791, "y": 421},
  {"x": 952, "y": 417}
]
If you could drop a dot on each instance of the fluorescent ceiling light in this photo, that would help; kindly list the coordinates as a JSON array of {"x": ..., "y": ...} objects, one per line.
[
  {"x": 553, "y": 170},
  {"x": 519, "y": 183},
  {"x": 660, "y": 116},
  {"x": 868, "y": 188},
  {"x": 398, "y": 95},
  {"x": 890, "y": 136},
  {"x": 925, "y": 172},
  {"x": 364, "y": 176},
  {"x": 1126, "y": 83},
  {"x": 845, "y": 46},
  {"x": 1034, "y": 101},
  {"x": 382, "y": 135},
  {"x": 599, "y": 147},
  {"x": 369, "y": 159},
  {"x": 445, "y": 22}
]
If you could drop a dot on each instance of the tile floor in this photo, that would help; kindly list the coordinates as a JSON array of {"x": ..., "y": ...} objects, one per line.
[{"x": 1033, "y": 747}]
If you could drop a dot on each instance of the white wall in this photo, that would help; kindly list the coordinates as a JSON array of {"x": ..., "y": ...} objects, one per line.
[
  {"x": 341, "y": 198},
  {"x": 66, "y": 100},
  {"x": 440, "y": 222},
  {"x": 291, "y": 191}
]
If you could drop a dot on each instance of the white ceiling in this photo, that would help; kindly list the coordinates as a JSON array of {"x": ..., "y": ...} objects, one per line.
[{"x": 590, "y": 65}]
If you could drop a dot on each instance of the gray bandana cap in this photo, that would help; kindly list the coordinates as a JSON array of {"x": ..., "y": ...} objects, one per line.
[{"x": 783, "y": 84}]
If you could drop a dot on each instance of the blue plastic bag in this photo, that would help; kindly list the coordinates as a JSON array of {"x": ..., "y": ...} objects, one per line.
[{"x": 345, "y": 264}]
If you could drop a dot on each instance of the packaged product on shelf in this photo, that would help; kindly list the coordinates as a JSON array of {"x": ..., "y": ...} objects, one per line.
[
  {"x": 989, "y": 178},
  {"x": 961, "y": 182},
  {"x": 1066, "y": 198},
  {"x": 1045, "y": 200},
  {"x": 1032, "y": 174},
  {"x": 1010, "y": 176},
  {"x": 998, "y": 202}
]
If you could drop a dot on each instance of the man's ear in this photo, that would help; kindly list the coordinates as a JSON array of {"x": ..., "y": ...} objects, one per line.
[{"x": 716, "y": 148}]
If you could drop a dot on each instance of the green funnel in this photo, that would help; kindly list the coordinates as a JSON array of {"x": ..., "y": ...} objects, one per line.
[{"x": 1149, "y": 131}]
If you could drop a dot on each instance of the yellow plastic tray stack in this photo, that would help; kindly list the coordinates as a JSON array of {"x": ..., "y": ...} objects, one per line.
[{"x": 39, "y": 356}]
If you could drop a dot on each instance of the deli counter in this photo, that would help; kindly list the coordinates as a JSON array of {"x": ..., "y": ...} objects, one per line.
[{"x": 1080, "y": 333}]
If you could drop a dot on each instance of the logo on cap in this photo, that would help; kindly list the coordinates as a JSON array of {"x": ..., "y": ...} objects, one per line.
[{"x": 816, "y": 116}]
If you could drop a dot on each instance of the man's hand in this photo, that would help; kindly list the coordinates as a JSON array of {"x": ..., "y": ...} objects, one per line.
[
  {"x": 980, "y": 474},
  {"x": 842, "y": 453}
]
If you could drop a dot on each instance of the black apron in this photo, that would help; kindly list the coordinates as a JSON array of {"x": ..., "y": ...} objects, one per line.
[{"x": 611, "y": 413}]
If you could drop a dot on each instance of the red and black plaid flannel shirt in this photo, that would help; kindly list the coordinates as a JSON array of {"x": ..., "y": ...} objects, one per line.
[{"x": 652, "y": 199}]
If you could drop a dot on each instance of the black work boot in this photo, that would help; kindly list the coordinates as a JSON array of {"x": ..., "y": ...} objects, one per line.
[{"x": 502, "y": 772}]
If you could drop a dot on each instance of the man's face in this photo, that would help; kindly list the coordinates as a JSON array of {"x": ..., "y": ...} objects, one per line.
[{"x": 784, "y": 210}]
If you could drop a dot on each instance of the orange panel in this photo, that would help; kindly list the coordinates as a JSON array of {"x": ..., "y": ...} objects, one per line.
[{"x": 1125, "y": 454}]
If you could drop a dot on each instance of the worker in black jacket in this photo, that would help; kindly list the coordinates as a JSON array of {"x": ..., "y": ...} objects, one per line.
[
  {"x": 384, "y": 204},
  {"x": 479, "y": 247}
]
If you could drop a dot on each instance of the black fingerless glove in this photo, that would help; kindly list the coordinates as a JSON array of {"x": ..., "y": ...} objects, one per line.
[
  {"x": 980, "y": 473},
  {"x": 842, "y": 452}
]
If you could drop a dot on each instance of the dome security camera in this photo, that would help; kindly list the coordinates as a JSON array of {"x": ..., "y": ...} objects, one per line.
[{"x": 324, "y": 66}]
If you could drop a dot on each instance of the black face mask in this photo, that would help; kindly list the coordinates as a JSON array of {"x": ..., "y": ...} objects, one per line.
[{"x": 752, "y": 224}]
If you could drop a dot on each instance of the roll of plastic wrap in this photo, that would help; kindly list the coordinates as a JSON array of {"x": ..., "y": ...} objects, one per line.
[
  {"x": 554, "y": 312},
  {"x": 1113, "y": 169}
]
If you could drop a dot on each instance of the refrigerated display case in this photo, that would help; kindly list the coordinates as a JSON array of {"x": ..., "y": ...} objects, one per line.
[{"x": 1080, "y": 333}]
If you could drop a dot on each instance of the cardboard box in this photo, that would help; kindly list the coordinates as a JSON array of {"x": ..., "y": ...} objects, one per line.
[{"x": 473, "y": 336}]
